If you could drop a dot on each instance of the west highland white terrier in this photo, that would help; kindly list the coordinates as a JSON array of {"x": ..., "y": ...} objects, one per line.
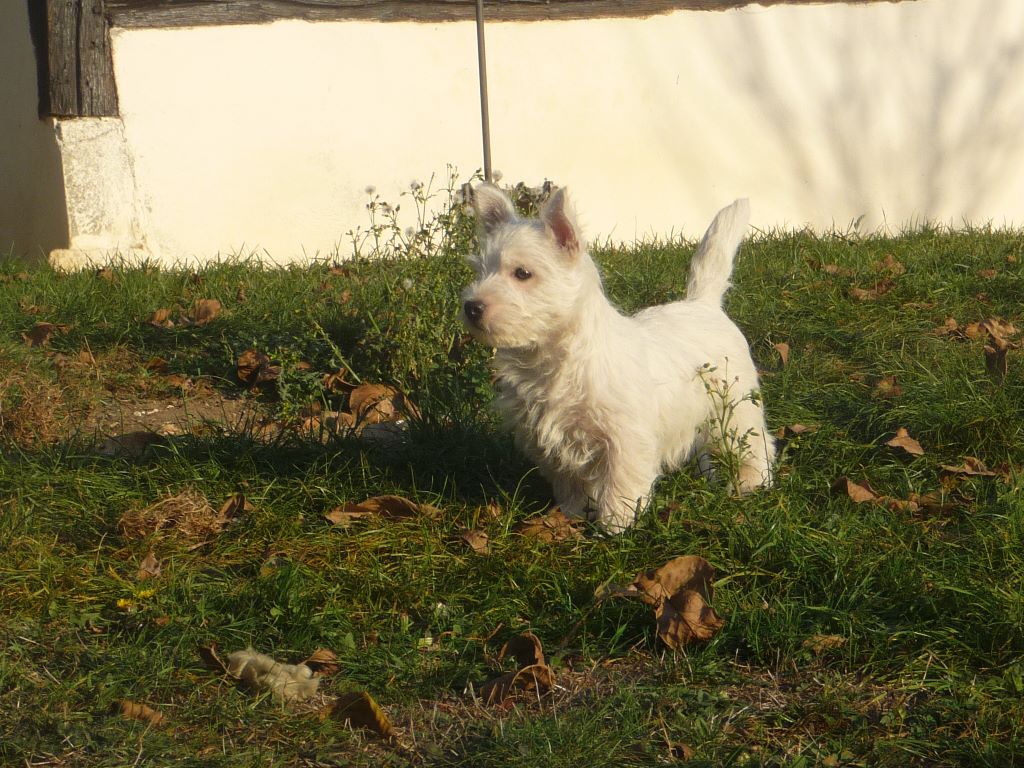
[{"x": 605, "y": 403}]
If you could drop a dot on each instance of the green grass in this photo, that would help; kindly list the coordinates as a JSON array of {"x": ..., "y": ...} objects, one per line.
[{"x": 930, "y": 605}]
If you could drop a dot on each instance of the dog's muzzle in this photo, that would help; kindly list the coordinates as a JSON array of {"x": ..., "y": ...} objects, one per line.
[{"x": 474, "y": 311}]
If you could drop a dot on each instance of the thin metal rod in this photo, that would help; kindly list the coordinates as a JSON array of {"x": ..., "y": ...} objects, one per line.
[{"x": 482, "y": 58}]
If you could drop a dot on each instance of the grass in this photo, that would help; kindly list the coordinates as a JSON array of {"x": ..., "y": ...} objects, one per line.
[{"x": 925, "y": 607}]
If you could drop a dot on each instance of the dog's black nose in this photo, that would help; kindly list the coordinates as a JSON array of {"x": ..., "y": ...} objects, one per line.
[{"x": 474, "y": 311}]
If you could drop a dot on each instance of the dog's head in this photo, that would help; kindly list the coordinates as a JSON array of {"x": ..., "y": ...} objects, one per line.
[{"x": 531, "y": 274}]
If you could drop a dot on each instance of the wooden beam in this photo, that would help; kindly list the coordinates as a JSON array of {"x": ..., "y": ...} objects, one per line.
[
  {"x": 181, "y": 13},
  {"x": 80, "y": 68}
]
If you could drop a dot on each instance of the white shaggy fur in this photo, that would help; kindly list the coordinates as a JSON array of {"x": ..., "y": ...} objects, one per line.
[{"x": 605, "y": 403}]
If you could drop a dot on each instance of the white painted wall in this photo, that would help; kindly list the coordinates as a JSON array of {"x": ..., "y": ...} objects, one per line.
[{"x": 265, "y": 137}]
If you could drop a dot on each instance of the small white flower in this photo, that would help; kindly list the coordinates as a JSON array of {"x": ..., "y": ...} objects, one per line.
[
  {"x": 415, "y": 185},
  {"x": 370, "y": 190},
  {"x": 407, "y": 284},
  {"x": 496, "y": 176},
  {"x": 409, "y": 232}
]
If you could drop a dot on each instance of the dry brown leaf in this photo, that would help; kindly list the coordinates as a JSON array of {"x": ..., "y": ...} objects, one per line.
[
  {"x": 880, "y": 288},
  {"x": 255, "y": 368},
  {"x": 887, "y": 387},
  {"x": 680, "y": 592},
  {"x": 288, "y": 682},
  {"x": 684, "y": 615},
  {"x": 948, "y": 328},
  {"x": 935, "y": 502},
  {"x": 205, "y": 311},
  {"x": 891, "y": 265},
  {"x": 336, "y": 382},
  {"x": 783, "y": 349},
  {"x": 536, "y": 680},
  {"x": 323, "y": 661},
  {"x": 793, "y": 430},
  {"x": 835, "y": 269},
  {"x": 161, "y": 318},
  {"x": 149, "y": 568},
  {"x": 374, "y": 403},
  {"x": 235, "y": 505},
  {"x": 132, "y": 710},
  {"x": 526, "y": 649},
  {"x": 995, "y": 356},
  {"x": 359, "y": 710},
  {"x": 821, "y": 643},
  {"x": 389, "y": 507},
  {"x": 905, "y": 442},
  {"x": 208, "y": 653},
  {"x": 40, "y": 333},
  {"x": 856, "y": 492},
  {"x": 988, "y": 273},
  {"x": 972, "y": 466},
  {"x": 554, "y": 526},
  {"x": 156, "y": 365},
  {"x": 680, "y": 751},
  {"x": 477, "y": 540}
]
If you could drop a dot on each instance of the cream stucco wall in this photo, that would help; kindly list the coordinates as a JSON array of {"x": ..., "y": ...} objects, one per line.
[{"x": 264, "y": 137}]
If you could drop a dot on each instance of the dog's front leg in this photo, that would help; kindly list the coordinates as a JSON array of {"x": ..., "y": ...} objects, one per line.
[
  {"x": 625, "y": 491},
  {"x": 571, "y": 496}
]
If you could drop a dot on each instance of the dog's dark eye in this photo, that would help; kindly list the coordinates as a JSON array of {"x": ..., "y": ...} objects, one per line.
[{"x": 522, "y": 273}]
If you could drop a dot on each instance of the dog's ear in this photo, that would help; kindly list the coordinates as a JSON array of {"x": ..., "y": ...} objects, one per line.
[
  {"x": 558, "y": 215},
  {"x": 493, "y": 208}
]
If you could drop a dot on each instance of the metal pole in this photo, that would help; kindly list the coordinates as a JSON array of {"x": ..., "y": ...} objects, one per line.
[{"x": 482, "y": 58}]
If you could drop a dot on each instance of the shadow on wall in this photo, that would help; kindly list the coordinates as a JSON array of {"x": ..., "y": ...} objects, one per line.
[
  {"x": 33, "y": 215},
  {"x": 862, "y": 127}
]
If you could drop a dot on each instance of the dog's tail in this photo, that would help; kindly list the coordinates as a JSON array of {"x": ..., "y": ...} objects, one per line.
[{"x": 712, "y": 263}]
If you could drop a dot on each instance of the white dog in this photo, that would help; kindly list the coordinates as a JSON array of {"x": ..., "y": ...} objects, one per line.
[{"x": 605, "y": 403}]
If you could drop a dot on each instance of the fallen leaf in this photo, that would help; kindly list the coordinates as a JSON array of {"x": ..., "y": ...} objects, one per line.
[
  {"x": 288, "y": 682},
  {"x": 40, "y": 333},
  {"x": 323, "y": 661},
  {"x": 388, "y": 507},
  {"x": 359, "y": 710},
  {"x": 680, "y": 592},
  {"x": 554, "y": 526},
  {"x": 374, "y": 403},
  {"x": 156, "y": 365},
  {"x": 935, "y": 502},
  {"x": 887, "y": 388},
  {"x": 988, "y": 274},
  {"x": 972, "y": 466},
  {"x": 149, "y": 568},
  {"x": 234, "y": 505},
  {"x": 336, "y": 382},
  {"x": 905, "y": 442},
  {"x": 783, "y": 349},
  {"x": 477, "y": 540},
  {"x": 208, "y": 653},
  {"x": 835, "y": 269},
  {"x": 821, "y": 643},
  {"x": 537, "y": 679},
  {"x": 880, "y": 288},
  {"x": 856, "y": 492},
  {"x": 793, "y": 430},
  {"x": 891, "y": 265},
  {"x": 255, "y": 368},
  {"x": 161, "y": 318},
  {"x": 526, "y": 649},
  {"x": 205, "y": 311},
  {"x": 131, "y": 710},
  {"x": 948, "y": 328},
  {"x": 680, "y": 751}
]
